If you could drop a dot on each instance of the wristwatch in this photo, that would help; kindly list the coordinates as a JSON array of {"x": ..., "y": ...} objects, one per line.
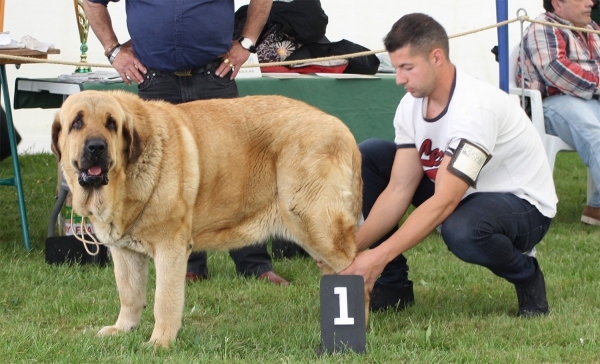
[
  {"x": 247, "y": 44},
  {"x": 113, "y": 54}
]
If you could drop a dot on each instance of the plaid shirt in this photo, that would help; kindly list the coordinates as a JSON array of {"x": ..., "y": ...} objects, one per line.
[{"x": 559, "y": 61}]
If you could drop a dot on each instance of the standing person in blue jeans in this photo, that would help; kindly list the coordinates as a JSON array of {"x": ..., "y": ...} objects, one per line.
[
  {"x": 467, "y": 157},
  {"x": 183, "y": 51}
]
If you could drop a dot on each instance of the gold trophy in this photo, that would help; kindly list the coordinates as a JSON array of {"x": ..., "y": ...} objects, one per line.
[{"x": 84, "y": 29}]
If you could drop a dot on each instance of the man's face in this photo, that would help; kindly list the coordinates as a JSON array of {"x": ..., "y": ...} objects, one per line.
[
  {"x": 577, "y": 12},
  {"x": 415, "y": 72}
]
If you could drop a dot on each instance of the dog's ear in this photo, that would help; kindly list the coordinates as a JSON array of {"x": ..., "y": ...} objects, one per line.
[
  {"x": 55, "y": 132},
  {"x": 133, "y": 142}
]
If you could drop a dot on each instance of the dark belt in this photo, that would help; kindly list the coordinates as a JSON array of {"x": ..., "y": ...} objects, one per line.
[{"x": 202, "y": 69}]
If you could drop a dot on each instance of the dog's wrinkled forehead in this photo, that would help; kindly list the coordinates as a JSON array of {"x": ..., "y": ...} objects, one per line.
[{"x": 92, "y": 109}]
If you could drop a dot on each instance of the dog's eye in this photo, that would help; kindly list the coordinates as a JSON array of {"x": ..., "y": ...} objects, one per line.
[
  {"x": 77, "y": 123},
  {"x": 111, "y": 124}
]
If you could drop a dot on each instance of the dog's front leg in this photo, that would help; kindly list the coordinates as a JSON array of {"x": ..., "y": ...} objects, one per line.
[
  {"x": 171, "y": 263},
  {"x": 131, "y": 274}
]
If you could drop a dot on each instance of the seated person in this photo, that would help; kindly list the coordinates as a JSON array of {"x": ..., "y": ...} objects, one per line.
[{"x": 564, "y": 65}]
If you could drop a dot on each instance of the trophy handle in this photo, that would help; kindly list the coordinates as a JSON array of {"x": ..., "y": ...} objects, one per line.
[{"x": 84, "y": 27}]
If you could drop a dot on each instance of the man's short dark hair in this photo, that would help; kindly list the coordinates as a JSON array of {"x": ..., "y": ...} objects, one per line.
[
  {"x": 548, "y": 5},
  {"x": 420, "y": 31}
]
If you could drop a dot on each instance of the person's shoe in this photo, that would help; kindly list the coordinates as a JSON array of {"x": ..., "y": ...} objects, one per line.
[
  {"x": 532, "y": 295},
  {"x": 384, "y": 297},
  {"x": 193, "y": 277},
  {"x": 591, "y": 215},
  {"x": 282, "y": 248},
  {"x": 273, "y": 278}
]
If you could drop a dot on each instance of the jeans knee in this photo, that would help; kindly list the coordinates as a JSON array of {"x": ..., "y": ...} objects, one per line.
[
  {"x": 458, "y": 237},
  {"x": 369, "y": 146},
  {"x": 377, "y": 152}
]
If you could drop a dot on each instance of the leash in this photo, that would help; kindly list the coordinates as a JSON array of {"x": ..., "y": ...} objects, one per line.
[
  {"x": 95, "y": 241},
  {"x": 83, "y": 233}
]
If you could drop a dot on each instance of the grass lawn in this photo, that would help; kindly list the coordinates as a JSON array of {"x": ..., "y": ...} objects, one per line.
[{"x": 463, "y": 313}]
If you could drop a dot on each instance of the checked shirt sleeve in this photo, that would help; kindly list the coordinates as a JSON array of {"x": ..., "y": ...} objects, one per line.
[{"x": 552, "y": 52}]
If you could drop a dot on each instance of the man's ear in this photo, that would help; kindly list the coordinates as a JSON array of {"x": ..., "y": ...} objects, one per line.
[
  {"x": 56, "y": 128},
  {"x": 133, "y": 142},
  {"x": 438, "y": 56}
]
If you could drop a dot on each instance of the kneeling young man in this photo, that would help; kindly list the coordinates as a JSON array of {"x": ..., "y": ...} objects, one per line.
[{"x": 467, "y": 156}]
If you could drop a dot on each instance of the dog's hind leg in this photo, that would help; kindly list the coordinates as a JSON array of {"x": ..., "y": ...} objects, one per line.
[
  {"x": 170, "y": 260},
  {"x": 131, "y": 274}
]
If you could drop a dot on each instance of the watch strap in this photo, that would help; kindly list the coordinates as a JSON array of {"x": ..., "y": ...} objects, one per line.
[{"x": 251, "y": 48}]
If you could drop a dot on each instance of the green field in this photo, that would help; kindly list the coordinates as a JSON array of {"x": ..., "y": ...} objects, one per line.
[{"x": 50, "y": 314}]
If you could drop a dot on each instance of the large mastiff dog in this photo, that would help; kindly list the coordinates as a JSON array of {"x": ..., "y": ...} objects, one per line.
[{"x": 160, "y": 180}]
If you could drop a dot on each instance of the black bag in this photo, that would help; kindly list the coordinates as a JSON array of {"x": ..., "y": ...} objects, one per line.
[
  {"x": 303, "y": 20},
  {"x": 4, "y": 143},
  {"x": 365, "y": 65}
]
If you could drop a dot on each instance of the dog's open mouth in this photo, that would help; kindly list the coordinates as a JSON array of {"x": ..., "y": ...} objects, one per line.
[{"x": 92, "y": 177}]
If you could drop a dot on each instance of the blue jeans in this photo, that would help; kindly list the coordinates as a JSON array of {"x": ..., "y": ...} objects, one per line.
[
  {"x": 577, "y": 122},
  {"x": 159, "y": 85},
  {"x": 488, "y": 229}
]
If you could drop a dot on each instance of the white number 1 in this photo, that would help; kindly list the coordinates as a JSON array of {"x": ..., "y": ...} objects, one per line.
[{"x": 343, "y": 319}]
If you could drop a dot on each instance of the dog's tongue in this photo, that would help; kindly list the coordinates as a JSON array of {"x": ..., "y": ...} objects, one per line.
[{"x": 94, "y": 171}]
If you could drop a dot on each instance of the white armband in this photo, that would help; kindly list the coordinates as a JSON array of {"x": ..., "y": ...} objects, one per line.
[{"x": 468, "y": 161}]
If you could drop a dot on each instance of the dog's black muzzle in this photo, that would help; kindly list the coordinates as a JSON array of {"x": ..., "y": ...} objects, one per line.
[{"x": 93, "y": 166}]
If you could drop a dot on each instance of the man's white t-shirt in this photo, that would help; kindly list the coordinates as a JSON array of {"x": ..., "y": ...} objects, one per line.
[{"x": 486, "y": 116}]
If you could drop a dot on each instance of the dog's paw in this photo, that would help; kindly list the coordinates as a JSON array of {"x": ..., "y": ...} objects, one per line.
[
  {"x": 162, "y": 342},
  {"x": 108, "y": 331}
]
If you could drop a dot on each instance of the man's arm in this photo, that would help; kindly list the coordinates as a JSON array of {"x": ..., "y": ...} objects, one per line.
[
  {"x": 258, "y": 13},
  {"x": 101, "y": 23},
  {"x": 546, "y": 47},
  {"x": 126, "y": 63},
  {"x": 449, "y": 190},
  {"x": 391, "y": 205}
]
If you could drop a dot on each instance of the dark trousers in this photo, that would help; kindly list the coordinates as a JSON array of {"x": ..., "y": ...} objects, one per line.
[
  {"x": 159, "y": 85},
  {"x": 492, "y": 230}
]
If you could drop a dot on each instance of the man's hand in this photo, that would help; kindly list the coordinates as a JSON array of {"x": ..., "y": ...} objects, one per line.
[
  {"x": 129, "y": 67},
  {"x": 233, "y": 60},
  {"x": 368, "y": 264},
  {"x": 258, "y": 12}
]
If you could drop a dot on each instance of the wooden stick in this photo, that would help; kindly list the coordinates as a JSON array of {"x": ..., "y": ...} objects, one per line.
[{"x": 1, "y": 15}]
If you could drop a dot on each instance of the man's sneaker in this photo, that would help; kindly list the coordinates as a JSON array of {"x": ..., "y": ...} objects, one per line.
[
  {"x": 385, "y": 297},
  {"x": 532, "y": 295},
  {"x": 591, "y": 215}
]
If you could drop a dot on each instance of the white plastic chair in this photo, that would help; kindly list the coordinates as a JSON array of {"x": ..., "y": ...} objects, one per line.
[{"x": 552, "y": 143}]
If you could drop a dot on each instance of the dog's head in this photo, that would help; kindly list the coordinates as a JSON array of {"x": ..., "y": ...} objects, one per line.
[{"x": 93, "y": 136}]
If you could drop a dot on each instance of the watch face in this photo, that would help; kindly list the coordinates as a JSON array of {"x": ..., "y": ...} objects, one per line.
[{"x": 246, "y": 43}]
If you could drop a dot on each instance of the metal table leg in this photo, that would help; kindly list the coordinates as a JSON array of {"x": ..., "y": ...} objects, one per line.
[{"x": 16, "y": 180}]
